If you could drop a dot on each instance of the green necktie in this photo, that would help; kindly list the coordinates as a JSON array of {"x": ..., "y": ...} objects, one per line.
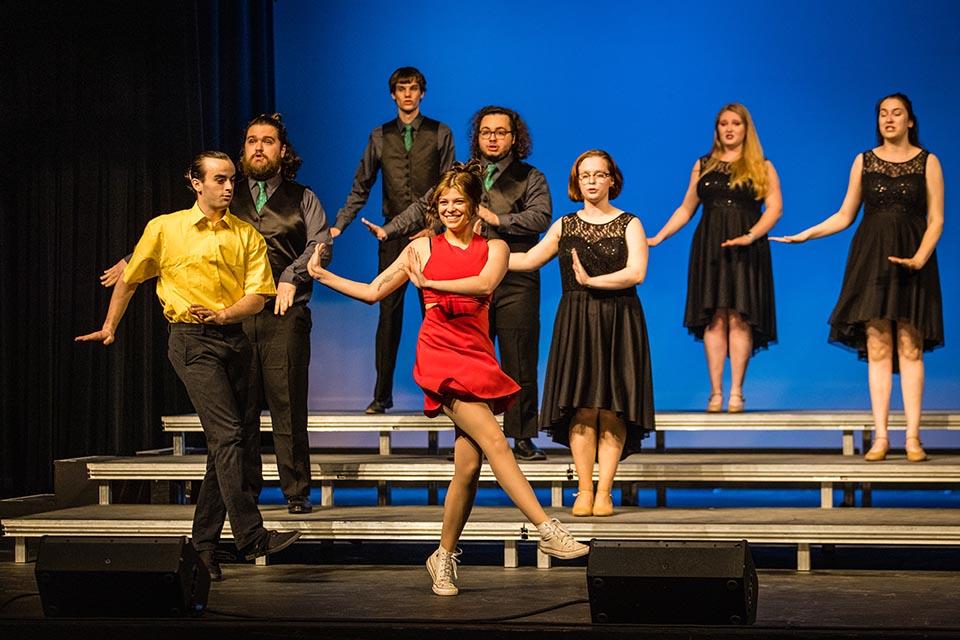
[
  {"x": 261, "y": 195},
  {"x": 408, "y": 136},
  {"x": 488, "y": 178}
]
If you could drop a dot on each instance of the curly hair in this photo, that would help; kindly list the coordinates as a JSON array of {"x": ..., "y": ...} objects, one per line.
[
  {"x": 290, "y": 162},
  {"x": 465, "y": 178},
  {"x": 522, "y": 142}
]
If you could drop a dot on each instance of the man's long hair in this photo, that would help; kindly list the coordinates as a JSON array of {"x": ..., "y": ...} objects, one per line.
[
  {"x": 522, "y": 142},
  {"x": 290, "y": 162}
]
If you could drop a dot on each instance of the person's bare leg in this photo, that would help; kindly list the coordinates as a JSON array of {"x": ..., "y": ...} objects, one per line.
[
  {"x": 583, "y": 447},
  {"x": 740, "y": 345},
  {"x": 910, "y": 358},
  {"x": 477, "y": 421},
  {"x": 715, "y": 348},
  {"x": 613, "y": 436},
  {"x": 462, "y": 491},
  {"x": 880, "y": 380}
]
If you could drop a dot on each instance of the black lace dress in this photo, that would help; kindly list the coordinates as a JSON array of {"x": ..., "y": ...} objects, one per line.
[
  {"x": 894, "y": 221},
  {"x": 599, "y": 356},
  {"x": 737, "y": 278}
]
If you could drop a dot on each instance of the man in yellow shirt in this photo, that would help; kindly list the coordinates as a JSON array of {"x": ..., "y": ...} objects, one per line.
[{"x": 212, "y": 273}]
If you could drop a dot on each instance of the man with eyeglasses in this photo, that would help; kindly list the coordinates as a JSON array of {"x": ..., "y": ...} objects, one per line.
[
  {"x": 292, "y": 221},
  {"x": 516, "y": 207},
  {"x": 410, "y": 151}
]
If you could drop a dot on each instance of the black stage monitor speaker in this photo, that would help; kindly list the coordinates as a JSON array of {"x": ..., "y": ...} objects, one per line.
[
  {"x": 120, "y": 577},
  {"x": 660, "y": 582}
]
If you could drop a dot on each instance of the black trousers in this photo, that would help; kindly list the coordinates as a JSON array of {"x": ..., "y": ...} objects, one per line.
[
  {"x": 515, "y": 327},
  {"x": 279, "y": 372},
  {"x": 389, "y": 324},
  {"x": 213, "y": 363}
]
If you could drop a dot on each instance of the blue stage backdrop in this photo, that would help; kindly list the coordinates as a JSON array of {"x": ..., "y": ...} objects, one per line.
[{"x": 643, "y": 81}]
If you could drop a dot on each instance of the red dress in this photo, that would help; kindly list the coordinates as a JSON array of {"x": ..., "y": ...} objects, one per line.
[{"x": 454, "y": 351}]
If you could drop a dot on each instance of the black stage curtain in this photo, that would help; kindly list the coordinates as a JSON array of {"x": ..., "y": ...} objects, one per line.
[{"x": 103, "y": 105}]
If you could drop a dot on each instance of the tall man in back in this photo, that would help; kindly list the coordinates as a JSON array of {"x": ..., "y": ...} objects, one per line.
[
  {"x": 212, "y": 274},
  {"x": 516, "y": 208},
  {"x": 410, "y": 151}
]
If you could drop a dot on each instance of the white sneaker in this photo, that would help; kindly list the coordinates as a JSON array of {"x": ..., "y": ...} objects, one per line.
[
  {"x": 556, "y": 541},
  {"x": 442, "y": 566}
]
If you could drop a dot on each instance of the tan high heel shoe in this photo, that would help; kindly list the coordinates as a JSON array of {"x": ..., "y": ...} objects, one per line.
[
  {"x": 915, "y": 454},
  {"x": 603, "y": 504},
  {"x": 878, "y": 453},
  {"x": 583, "y": 505},
  {"x": 715, "y": 403},
  {"x": 735, "y": 403}
]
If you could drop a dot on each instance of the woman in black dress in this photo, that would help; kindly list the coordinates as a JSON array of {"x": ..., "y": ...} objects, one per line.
[
  {"x": 730, "y": 302},
  {"x": 890, "y": 306},
  {"x": 598, "y": 391}
]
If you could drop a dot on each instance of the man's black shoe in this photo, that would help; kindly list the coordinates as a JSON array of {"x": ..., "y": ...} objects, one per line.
[
  {"x": 299, "y": 504},
  {"x": 377, "y": 407},
  {"x": 212, "y": 564},
  {"x": 273, "y": 542},
  {"x": 527, "y": 449}
]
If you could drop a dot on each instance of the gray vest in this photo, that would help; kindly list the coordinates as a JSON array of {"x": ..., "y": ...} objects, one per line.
[{"x": 408, "y": 175}]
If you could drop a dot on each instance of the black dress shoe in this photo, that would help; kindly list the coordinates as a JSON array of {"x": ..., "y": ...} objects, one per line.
[
  {"x": 527, "y": 449},
  {"x": 300, "y": 504},
  {"x": 210, "y": 561},
  {"x": 377, "y": 407},
  {"x": 273, "y": 542}
]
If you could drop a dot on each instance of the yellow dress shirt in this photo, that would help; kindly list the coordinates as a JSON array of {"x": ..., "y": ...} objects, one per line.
[{"x": 199, "y": 262}]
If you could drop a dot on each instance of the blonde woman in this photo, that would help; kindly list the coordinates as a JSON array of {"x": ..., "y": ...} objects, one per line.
[
  {"x": 730, "y": 303},
  {"x": 890, "y": 308}
]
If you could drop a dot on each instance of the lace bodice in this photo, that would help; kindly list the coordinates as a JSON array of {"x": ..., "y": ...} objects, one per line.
[
  {"x": 602, "y": 248},
  {"x": 715, "y": 193},
  {"x": 894, "y": 187}
]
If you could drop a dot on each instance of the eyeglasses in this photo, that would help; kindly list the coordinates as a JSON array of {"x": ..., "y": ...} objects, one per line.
[
  {"x": 596, "y": 175},
  {"x": 500, "y": 134}
]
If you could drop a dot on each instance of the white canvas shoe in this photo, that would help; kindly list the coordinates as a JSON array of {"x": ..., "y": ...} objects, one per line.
[
  {"x": 442, "y": 566},
  {"x": 556, "y": 541}
]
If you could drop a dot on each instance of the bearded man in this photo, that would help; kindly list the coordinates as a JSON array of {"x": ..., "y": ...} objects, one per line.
[{"x": 291, "y": 219}]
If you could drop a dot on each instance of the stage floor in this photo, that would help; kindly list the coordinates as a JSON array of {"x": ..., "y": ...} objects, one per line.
[{"x": 354, "y": 600}]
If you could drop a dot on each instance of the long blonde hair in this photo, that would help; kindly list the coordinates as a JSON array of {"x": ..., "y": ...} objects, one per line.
[{"x": 751, "y": 166}]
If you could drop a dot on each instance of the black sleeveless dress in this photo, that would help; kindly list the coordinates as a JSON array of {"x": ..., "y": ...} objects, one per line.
[
  {"x": 599, "y": 355},
  {"x": 737, "y": 278},
  {"x": 894, "y": 221}
]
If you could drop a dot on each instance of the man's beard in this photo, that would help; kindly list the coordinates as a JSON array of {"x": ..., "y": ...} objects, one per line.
[{"x": 262, "y": 172}]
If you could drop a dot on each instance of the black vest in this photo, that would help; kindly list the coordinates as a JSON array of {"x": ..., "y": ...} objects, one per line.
[
  {"x": 279, "y": 222},
  {"x": 504, "y": 196},
  {"x": 408, "y": 175}
]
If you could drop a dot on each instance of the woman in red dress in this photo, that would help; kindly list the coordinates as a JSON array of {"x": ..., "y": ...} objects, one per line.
[{"x": 455, "y": 366}]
